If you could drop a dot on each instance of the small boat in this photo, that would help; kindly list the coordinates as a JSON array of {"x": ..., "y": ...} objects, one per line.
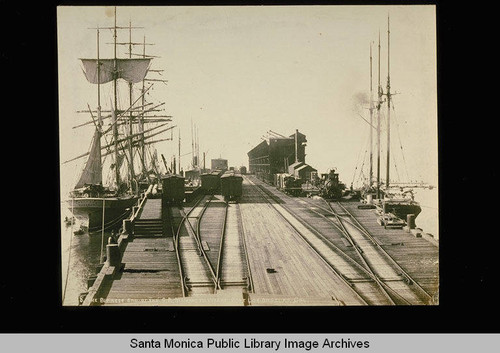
[
  {"x": 69, "y": 220},
  {"x": 401, "y": 203}
]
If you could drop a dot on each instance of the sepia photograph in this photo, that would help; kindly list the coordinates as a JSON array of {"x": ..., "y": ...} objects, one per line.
[{"x": 281, "y": 156}]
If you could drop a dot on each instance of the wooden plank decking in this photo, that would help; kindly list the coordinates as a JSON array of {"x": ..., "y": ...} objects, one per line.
[
  {"x": 285, "y": 269},
  {"x": 417, "y": 256},
  {"x": 282, "y": 264},
  {"x": 150, "y": 271}
]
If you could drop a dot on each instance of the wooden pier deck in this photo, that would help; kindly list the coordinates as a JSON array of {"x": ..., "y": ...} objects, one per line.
[
  {"x": 211, "y": 227},
  {"x": 418, "y": 255},
  {"x": 283, "y": 265},
  {"x": 416, "y": 252},
  {"x": 149, "y": 272},
  {"x": 294, "y": 250}
]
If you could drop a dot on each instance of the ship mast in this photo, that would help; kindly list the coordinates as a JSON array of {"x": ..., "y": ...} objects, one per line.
[
  {"x": 131, "y": 103},
  {"x": 99, "y": 118},
  {"x": 371, "y": 120},
  {"x": 388, "y": 105},
  {"x": 141, "y": 118},
  {"x": 378, "y": 121},
  {"x": 180, "y": 152},
  {"x": 192, "y": 145},
  {"x": 115, "y": 103},
  {"x": 131, "y": 164},
  {"x": 101, "y": 71}
]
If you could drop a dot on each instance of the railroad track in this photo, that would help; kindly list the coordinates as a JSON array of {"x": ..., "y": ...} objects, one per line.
[
  {"x": 358, "y": 259},
  {"x": 233, "y": 269},
  {"x": 410, "y": 290},
  {"x": 402, "y": 289},
  {"x": 214, "y": 258},
  {"x": 355, "y": 282},
  {"x": 220, "y": 232},
  {"x": 197, "y": 274},
  {"x": 377, "y": 277}
]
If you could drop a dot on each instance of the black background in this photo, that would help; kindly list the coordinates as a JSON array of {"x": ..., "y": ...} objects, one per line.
[{"x": 30, "y": 288}]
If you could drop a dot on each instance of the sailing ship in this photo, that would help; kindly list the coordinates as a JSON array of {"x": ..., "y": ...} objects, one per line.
[
  {"x": 393, "y": 199},
  {"x": 127, "y": 135}
]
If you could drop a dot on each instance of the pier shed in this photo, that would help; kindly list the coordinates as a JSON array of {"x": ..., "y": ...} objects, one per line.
[
  {"x": 305, "y": 172},
  {"x": 275, "y": 154},
  {"x": 294, "y": 166}
]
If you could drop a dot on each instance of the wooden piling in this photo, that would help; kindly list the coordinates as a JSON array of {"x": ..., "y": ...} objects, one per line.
[{"x": 113, "y": 255}]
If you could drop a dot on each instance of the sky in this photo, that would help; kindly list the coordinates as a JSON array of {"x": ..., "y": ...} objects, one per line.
[{"x": 238, "y": 72}]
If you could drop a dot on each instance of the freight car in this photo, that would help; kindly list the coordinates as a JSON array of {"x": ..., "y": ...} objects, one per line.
[
  {"x": 172, "y": 190},
  {"x": 288, "y": 184},
  {"x": 231, "y": 186},
  {"x": 210, "y": 182},
  {"x": 191, "y": 192}
]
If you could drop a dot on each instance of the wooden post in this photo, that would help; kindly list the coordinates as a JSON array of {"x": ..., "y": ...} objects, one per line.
[
  {"x": 369, "y": 199},
  {"x": 112, "y": 255},
  {"x": 410, "y": 221},
  {"x": 128, "y": 227}
]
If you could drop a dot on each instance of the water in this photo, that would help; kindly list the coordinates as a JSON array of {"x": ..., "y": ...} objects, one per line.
[
  {"x": 81, "y": 254},
  {"x": 428, "y": 219}
]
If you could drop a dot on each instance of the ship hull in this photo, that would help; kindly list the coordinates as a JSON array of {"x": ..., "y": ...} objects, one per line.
[
  {"x": 89, "y": 210},
  {"x": 402, "y": 209}
]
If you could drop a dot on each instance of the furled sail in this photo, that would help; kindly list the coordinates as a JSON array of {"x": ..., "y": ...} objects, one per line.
[
  {"x": 131, "y": 70},
  {"x": 92, "y": 173}
]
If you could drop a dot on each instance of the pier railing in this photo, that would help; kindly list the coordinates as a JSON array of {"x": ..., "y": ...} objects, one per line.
[{"x": 141, "y": 203}]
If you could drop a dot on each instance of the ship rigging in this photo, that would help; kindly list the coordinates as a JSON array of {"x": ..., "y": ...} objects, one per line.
[
  {"x": 395, "y": 198},
  {"x": 127, "y": 138}
]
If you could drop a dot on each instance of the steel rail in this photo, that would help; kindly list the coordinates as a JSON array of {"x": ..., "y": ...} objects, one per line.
[
  {"x": 366, "y": 267},
  {"x": 242, "y": 235},
  {"x": 197, "y": 238},
  {"x": 175, "y": 235},
  {"x": 178, "y": 256},
  {"x": 343, "y": 254},
  {"x": 330, "y": 210},
  {"x": 363, "y": 230},
  {"x": 365, "y": 261},
  {"x": 200, "y": 216},
  {"x": 220, "y": 261},
  {"x": 409, "y": 279},
  {"x": 221, "y": 245},
  {"x": 261, "y": 189}
]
